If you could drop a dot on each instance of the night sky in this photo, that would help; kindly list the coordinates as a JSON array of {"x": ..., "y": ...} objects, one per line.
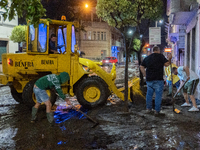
[{"x": 57, "y": 8}]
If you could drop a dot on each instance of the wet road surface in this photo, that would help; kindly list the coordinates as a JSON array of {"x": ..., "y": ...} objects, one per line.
[{"x": 117, "y": 130}]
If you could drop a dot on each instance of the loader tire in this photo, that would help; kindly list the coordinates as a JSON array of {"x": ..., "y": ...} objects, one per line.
[
  {"x": 17, "y": 96},
  {"x": 92, "y": 92},
  {"x": 29, "y": 98}
]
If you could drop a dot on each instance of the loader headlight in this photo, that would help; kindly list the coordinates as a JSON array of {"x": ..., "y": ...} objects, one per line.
[{"x": 10, "y": 62}]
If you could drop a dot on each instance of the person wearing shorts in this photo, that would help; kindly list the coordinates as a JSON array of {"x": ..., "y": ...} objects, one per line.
[
  {"x": 192, "y": 80},
  {"x": 45, "y": 83}
]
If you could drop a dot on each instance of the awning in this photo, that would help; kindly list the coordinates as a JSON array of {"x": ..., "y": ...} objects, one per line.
[
  {"x": 191, "y": 24},
  {"x": 180, "y": 18},
  {"x": 187, "y": 18}
]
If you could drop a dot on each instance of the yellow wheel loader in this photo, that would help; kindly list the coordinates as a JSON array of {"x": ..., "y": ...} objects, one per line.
[{"x": 21, "y": 70}]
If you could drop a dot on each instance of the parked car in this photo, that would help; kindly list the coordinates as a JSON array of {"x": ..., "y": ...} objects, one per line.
[{"x": 109, "y": 61}]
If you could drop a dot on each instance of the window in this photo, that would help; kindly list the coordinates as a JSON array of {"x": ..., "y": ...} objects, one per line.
[
  {"x": 89, "y": 35},
  {"x": 62, "y": 39},
  {"x": 31, "y": 32},
  {"x": 113, "y": 37},
  {"x": 3, "y": 48},
  {"x": 73, "y": 38},
  {"x": 85, "y": 36},
  {"x": 94, "y": 35},
  {"x": 32, "y": 43},
  {"x": 42, "y": 38},
  {"x": 98, "y": 35},
  {"x": 102, "y": 36}
]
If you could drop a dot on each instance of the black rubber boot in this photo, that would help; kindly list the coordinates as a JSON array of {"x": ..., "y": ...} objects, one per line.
[
  {"x": 50, "y": 117},
  {"x": 34, "y": 112}
]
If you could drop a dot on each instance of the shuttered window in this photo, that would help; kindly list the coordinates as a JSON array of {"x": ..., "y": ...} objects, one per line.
[{"x": 3, "y": 45}]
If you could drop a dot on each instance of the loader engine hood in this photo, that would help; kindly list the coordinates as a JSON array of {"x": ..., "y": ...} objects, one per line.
[{"x": 64, "y": 77}]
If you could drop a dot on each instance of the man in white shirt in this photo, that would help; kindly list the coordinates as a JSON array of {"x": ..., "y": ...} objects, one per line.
[{"x": 192, "y": 80}]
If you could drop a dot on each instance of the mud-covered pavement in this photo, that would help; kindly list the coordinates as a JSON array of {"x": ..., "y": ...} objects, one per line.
[{"x": 117, "y": 130}]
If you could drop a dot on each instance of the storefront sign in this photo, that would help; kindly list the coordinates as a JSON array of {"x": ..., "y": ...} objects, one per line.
[
  {"x": 154, "y": 35},
  {"x": 168, "y": 50}
]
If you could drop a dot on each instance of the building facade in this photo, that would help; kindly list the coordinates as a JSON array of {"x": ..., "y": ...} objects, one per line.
[
  {"x": 7, "y": 46},
  {"x": 99, "y": 40},
  {"x": 184, "y": 33}
]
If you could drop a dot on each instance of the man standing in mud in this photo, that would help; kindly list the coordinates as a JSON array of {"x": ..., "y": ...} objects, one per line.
[
  {"x": 154, "y": 65},
  {"x": 41, "y": 85}
]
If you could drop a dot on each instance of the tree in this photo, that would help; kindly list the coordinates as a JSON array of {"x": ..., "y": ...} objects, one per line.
[
  {"x": 123, "y": 14},
  {"x": 136, "y": 44},
  {"x": 32, "y": 10},
  {"x": 18, "y": 34}
]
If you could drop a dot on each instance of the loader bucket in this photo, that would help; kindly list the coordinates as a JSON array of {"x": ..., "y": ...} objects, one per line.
[{"x": 134, "y": 89}]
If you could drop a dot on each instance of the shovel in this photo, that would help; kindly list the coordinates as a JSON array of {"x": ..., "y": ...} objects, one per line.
[
  {"x": 94, "y": 121},
  {"x": 174, "y": 109},
  {"x": 91, "y": 119},
  {"x": 180, "y": 88}
]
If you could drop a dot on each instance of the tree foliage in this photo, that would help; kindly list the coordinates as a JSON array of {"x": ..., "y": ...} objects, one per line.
[
  {"x": 32, "y": 10},
  {"x": 120, "y": 13},
  {"x": 123, "y": 14},
  {"x": 136, "y": 44},
  {"x": 18, "y": 34}
]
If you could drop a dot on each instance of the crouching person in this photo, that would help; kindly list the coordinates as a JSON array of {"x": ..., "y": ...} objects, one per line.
[
  {"x": 41, "y": 85},
  {"x": 192, "y": 80}
]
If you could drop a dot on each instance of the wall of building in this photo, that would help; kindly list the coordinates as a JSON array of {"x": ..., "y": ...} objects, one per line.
[
  {"x": 98, "y": 48},
  {"x": 192, "y": 38},
  {"x": 5, "y": 32},
  {"x": 197, "y": 53}
]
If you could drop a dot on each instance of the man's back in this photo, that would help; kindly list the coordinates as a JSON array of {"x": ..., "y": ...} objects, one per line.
[{"x": 154, "y": 64}]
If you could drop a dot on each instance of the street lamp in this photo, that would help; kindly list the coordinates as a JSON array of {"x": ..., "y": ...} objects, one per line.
[
  {"x": 160, "y": 21},
  {"x": 79, "y": 20}
]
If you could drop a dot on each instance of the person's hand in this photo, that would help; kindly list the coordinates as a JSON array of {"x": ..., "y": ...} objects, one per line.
[
  {"x": 68, "y": 101},
  {"x": 169, "y": 56},
  {"x": 60, "y": 46}
]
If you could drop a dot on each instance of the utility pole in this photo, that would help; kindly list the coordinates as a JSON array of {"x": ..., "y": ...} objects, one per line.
[{"x": 79, "y": 34}]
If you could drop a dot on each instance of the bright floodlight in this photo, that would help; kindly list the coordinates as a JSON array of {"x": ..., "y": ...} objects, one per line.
[
  {"x": 130, "y": 32},
  {"x": 141, "y": 36},
  {"x": 160, "y": 21},
  {"x": 86, "y": 5}
]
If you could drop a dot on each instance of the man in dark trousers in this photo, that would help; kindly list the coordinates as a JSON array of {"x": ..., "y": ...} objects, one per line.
[
  {"x": 154, "y": 65},
  {"x": 41, "y": 85}
]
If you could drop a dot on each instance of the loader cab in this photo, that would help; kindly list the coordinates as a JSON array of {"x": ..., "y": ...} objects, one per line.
[{"x": 38, "y": 38}]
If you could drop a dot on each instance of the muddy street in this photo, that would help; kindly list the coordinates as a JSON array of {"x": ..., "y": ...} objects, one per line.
[{"x": 117, "y": 130}]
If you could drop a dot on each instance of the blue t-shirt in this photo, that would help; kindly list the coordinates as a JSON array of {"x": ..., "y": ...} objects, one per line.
[{"x": 154, "y": 65}]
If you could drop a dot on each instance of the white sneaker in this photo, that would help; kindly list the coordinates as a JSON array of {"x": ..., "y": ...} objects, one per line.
[
  {"x": 193, "y": 109},
  {"x": 186, "y": 105}
]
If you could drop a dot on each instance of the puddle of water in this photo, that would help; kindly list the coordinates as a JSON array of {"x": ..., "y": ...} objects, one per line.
[{"x": 6, "y": 136}]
